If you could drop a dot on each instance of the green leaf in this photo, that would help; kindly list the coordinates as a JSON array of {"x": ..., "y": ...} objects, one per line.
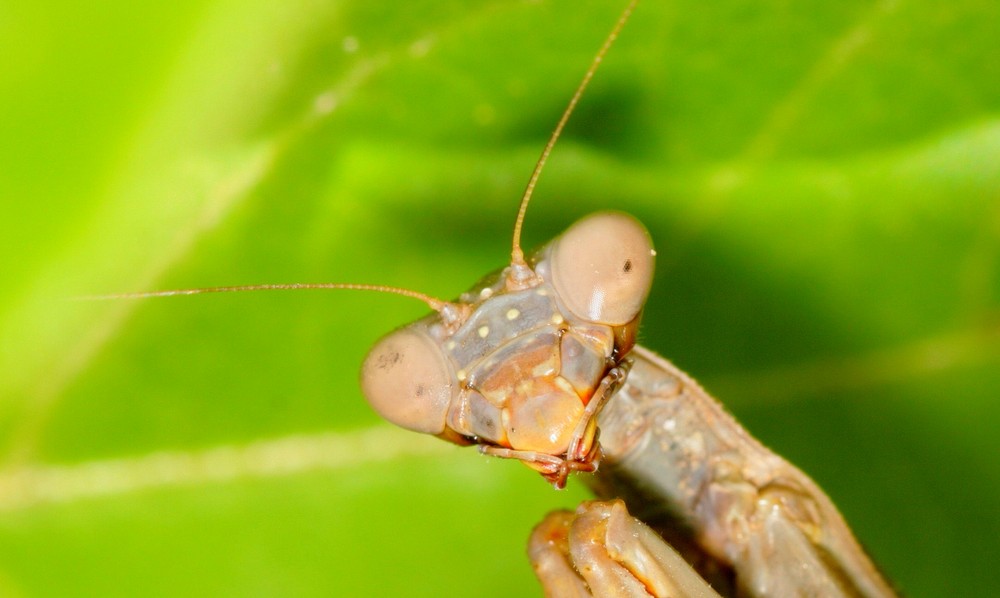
[{"x": 820, "y": 180}]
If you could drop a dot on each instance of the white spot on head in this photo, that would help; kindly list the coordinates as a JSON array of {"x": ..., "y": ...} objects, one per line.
[
  {"x": 557, "y": 319},
  {"x": 486, "y": 293},
  {"x": 450, "y": 345},
  {"x": 483, "y": 331},
  {"x": 512, "y": 314},
  {"x": 350, "y": 44},
  {"x": 597, "y": 300},
  {"x": 461, "y": 375}
]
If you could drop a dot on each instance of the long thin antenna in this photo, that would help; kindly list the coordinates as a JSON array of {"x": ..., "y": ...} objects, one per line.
[
  {"x": 432, "y": 302},
  {"x": 517, "y": 255}
]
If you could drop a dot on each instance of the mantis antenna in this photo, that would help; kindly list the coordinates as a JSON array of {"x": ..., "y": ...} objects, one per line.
[
  {"x": 432, "y": 302},
  {"x": 517, "y": 255}
]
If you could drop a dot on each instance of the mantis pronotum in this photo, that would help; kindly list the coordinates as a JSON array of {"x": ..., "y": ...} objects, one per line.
[{"x": 470, "y": 402}]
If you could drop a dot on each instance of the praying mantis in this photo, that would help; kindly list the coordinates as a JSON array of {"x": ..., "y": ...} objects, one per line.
[{"x": 541, "y": 222}]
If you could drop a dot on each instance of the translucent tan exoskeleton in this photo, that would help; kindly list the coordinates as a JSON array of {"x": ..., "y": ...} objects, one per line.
[{"x": 539, "y": 363}]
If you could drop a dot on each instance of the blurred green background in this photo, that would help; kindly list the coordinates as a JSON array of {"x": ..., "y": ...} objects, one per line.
[{"x": 822, "y": 181}]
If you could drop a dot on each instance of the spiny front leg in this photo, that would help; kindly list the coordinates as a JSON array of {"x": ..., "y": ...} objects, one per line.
[{"x": 603, "y": 552}]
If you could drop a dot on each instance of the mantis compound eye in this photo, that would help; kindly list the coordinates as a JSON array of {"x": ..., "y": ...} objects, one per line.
[
  {"x": 602, "y": 268},
  {"x": 408, "y": 382}
]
